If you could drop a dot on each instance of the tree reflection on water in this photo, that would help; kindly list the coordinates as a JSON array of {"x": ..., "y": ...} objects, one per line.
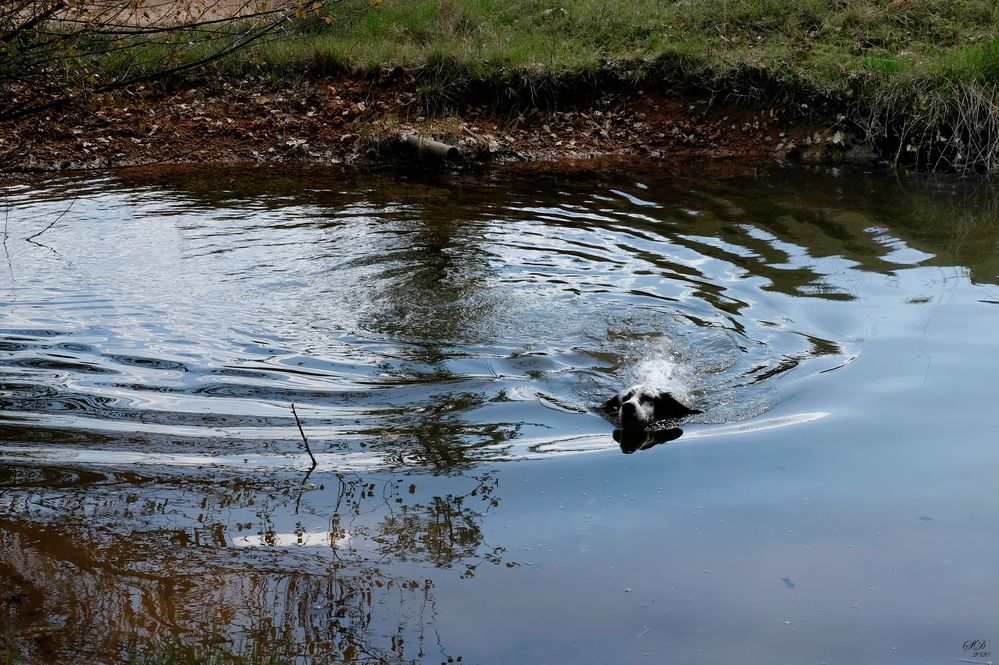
[
  {"x": 103, "y": 566},
  {"x": 425, "y": 325}
]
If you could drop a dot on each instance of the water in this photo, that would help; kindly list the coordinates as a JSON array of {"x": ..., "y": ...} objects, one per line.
[{"x": 445, "y": 340}]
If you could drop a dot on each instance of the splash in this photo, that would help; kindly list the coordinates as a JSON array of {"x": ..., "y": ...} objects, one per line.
[{"x": 665, "y": 368}]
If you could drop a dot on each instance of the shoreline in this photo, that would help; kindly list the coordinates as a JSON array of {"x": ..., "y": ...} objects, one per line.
[{"x": 359, "y": 119}]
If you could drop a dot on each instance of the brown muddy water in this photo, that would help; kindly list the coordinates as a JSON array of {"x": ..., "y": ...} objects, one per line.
[{"x": 445, "y": 339}]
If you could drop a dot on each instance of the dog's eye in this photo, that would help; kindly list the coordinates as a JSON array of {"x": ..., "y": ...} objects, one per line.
[{"x": 645, "y": 399}]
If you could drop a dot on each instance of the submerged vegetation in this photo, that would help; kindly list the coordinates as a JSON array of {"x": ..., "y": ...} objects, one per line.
[{"x": 918, "y": 79}]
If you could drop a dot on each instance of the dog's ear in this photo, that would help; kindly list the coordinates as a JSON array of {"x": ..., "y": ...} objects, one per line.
[
  {"x": 668, "y": 407},
  {"x": 613, "y": 404}
]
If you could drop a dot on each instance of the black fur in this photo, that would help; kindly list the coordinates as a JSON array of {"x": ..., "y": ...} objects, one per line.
[{"x": 641, "y": 406}]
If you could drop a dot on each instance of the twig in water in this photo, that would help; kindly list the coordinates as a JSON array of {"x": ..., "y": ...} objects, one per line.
[
  {"x": 866, "y": 593},
  {"x": 6, "y": 250},
  {"x": 53, "y": 223},
  {"x": 308, "y": 449}
]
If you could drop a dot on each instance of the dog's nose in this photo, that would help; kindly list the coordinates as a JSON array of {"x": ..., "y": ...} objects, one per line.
[{"x": 629, "y": 407}]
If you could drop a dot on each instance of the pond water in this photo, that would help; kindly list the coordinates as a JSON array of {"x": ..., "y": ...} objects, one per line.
[{"x": 446, "y": 339}]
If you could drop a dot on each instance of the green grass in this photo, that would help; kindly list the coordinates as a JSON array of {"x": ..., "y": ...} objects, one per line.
[
  {"x": 901, "y": 66},
  {"x": 927, "y": 68},
  {"x": 793, "y": 38},
  {"x": 825, "y": 45}
]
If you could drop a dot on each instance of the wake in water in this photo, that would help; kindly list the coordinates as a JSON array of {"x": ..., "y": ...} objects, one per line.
[
  {"x": 434, "y": 336},
  {"x": 704, "y": 367}
]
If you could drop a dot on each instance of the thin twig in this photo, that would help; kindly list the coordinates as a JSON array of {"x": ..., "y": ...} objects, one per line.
[
  {"x": 308, "y": 448},
  {"x": 53, "y": 223},
  {"x": 6, "y": 249},
  {"x": 241, "y": 42},
  {"x": 32, "y": 22}
]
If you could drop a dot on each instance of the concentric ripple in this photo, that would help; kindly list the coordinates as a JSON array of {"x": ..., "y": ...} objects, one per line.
[{"x": 438, "y": 321}]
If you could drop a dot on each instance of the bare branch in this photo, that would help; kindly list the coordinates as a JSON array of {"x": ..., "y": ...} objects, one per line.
[
  {"x": 31, "y": 22},
  {"x": 66, "y": 53},
  {"x": 51, "y": 224},
  {"x": 125, "y": 29},
  {"x": 301, "y": 431}
]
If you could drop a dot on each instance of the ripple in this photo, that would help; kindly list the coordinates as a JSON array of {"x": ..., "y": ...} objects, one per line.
[{"x": 422, "y": 328}]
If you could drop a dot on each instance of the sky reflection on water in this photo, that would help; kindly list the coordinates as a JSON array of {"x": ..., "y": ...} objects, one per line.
[{"x": 445, "y": 338}]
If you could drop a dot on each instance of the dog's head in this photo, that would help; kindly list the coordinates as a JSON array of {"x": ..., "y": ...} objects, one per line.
[{"x": 640, "y": 406}]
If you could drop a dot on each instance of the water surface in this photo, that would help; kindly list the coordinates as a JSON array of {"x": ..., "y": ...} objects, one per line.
[{"x": 445, "y": 339}]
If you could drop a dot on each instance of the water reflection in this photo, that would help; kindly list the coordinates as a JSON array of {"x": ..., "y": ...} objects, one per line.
[
  {"x": 431, "y": 329},
  {"x": 631, "y": 440},
  {"x": 435, "y": 320},
  {"x": 222, "y": 562}
]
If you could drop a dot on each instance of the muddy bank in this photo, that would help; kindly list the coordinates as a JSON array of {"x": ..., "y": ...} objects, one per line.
[{"x": 357, "y": 119}]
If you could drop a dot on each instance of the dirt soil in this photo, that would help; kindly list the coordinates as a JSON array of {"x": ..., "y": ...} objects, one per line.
[{"x": 354, "y": 119}]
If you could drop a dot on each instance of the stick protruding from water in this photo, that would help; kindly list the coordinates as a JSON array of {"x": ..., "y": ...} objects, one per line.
[{"x": 305, "y": 440}]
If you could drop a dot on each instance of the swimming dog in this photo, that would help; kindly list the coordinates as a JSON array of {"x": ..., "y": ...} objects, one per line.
[{"x": 641, "y": 406}]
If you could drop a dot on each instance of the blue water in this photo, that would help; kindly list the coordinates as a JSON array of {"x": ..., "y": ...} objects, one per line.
[{"x": 446, "y": 339}]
